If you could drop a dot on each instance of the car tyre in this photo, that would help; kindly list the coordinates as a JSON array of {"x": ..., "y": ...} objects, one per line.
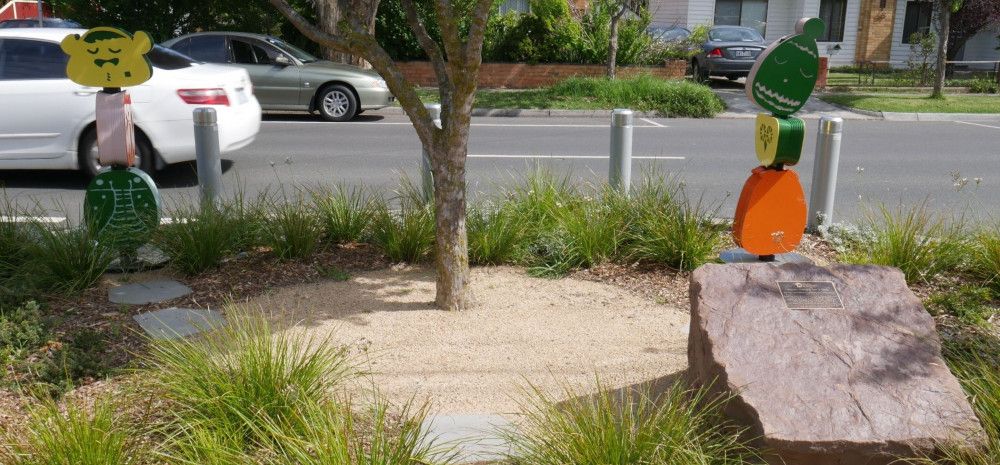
[
  {"x": 337, "y": 103},
  {"x": 700, "y": 75},
  {"x": 88, "y": 154}
]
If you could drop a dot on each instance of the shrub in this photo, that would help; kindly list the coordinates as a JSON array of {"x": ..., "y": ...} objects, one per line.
[
  {"x": 406, "y": 235},
  {"x": 495, "y": 235},
  {"x": 76, "y": 437},
  {"x": 197, "y": 241},
  {"x": 678, "y": 427},
  {"x": 671, "y": 231},
  {"x": 645, "y": 93},
  {"x": 67, "y": 261},
  {"x": 549, "y": 34},
  {"x": 984, "y": 86},
  {"x": 292, "y": 230},
  {"x": 346, "y": 212},
  {"x": 222, "y": 386},
  {"x": 21, "y": 333},
  {"x": 920, "y": 244}
]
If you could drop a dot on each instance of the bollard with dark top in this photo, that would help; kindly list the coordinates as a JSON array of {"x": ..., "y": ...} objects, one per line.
[
  {"x": 209, "y": 162},
  {"x": 824, "y": 179},
  {"x": 620, "y": 170}
]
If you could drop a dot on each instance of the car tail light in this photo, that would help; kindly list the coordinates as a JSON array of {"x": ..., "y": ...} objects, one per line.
[
  {"x": 717, "y": 53},
  {"x": 204, "y": 96}
]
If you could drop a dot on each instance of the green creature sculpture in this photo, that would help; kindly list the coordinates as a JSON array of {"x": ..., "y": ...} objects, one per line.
[{"x": 785, "y": 74}]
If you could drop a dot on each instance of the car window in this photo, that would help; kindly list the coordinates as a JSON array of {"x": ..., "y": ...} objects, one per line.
[
  {"x": 211, "y": 49},
  {"x": 165, "y": 58},
  {"x": 292, "y": 50},
  {"x": 266, "y": 54},
  {"x": 734, "y": 35},
  {"x": 182, "y": 46},
  {"x": 31, "y": 59},
  {"x": 242, "y": 52}
]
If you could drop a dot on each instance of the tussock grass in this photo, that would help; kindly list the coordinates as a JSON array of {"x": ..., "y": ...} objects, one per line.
[
  {"x": 645, "y": 93},
  {"x": 199, "y": 239},
  {"x": 347, "y": 213},
  {"x": 291, "y": 229},
  {"x": 77, "y": 437},
  {"x": 66, "y": 261},
  {"x": 495, "y": 235},
  {"x": 678, "y": 427},
  {"x": 922, "y": 245},
  {"x": 985, "y": 258},
  {"x": 406, "y": 234}
]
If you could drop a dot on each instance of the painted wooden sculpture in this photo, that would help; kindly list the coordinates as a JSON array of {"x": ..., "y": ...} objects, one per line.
[
  {"x": 771, "y": 213},
  {"x": 122, "y": 204}
]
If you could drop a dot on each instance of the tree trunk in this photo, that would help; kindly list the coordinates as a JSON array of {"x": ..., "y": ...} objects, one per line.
[
  {"x": 451, "y": 248},
  {"x": 944, "y": 19},
  {"x": 328, "y": 15},
  {"x": 613, "y": 43}
]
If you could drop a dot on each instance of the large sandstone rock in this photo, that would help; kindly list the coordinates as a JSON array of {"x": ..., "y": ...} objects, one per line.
[{"x": 858, "y": 385}]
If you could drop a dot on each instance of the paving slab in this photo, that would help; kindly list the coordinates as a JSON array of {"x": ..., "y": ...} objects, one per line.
[
  {"x": 475, "y": 437},
  {"x": 174, "y": 323},
  {"x": 148, "y": 292}
]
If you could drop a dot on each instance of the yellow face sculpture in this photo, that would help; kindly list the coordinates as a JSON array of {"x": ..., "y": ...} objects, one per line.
[{"x": 108, "y": 57}]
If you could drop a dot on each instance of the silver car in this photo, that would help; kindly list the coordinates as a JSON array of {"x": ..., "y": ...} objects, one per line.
[{"x": 285, "y": 77}]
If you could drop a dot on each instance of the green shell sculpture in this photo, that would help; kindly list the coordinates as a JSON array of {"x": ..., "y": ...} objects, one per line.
[
  {"x": 122, "y": 208},
  {"x": 785, "y": 73}
]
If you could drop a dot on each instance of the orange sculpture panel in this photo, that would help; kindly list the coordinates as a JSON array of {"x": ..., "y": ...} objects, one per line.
[{"x": 771, "y": 213}]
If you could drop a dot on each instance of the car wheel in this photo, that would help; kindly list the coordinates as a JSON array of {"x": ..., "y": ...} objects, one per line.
[
  {"x": 337, "y": 103},
  {"x": 90, "y": 165},
  {"x": 700, "y": 75}
]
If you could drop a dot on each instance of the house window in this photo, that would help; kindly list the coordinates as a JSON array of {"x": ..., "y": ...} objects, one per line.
[
  {"x": 833, "y": 13},
  {"x": 917, "y": 19},
  {"x": 748, "y": 13}
]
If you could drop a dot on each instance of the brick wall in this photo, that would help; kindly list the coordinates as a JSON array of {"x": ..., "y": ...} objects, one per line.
[
  {"x": 875, "y": 30},
  {"x": 525, "y": 76}
]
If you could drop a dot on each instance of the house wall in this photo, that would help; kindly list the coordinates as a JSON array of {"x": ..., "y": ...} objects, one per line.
[
  {"x": 699, "y": 12},
  {"x": 983, "y": 47},
  {"x": 669, "y": 12}
]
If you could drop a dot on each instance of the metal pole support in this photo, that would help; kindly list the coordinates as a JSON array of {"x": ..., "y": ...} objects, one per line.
[
  {"x": 620, "y": 170},
  {"x": 209, "y": 163},
  {"x": 426, "y": 175},
  {"x": 824, "y": 179}
]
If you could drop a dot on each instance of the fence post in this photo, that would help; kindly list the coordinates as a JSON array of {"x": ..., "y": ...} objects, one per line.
[
  {"x": 620, "y": 170},
  {"x": 824, "y": 179},
  {"x": 426, "y": 176},
  {"x": 209, "y": 163}
]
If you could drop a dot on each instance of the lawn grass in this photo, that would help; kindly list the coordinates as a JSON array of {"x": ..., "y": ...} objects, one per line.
[
  {"x": 918, "y": 103},
  {"x": 643, "y": 93}
]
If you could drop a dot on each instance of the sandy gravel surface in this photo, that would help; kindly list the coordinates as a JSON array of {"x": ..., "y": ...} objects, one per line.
[{"x": 520, "y": 329}]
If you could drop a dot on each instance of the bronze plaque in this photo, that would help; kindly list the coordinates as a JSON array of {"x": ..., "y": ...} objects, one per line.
[{"x": 809, "y": 295}]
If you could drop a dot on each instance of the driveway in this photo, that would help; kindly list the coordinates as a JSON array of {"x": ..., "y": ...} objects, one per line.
[{"x": 739, "y": 106}]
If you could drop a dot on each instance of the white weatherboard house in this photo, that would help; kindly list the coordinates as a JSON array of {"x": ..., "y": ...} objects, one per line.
[{"x": 857, "y": 30}]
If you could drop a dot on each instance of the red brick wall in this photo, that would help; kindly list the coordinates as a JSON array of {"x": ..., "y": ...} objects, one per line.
[{"x": 525, "y": 76}]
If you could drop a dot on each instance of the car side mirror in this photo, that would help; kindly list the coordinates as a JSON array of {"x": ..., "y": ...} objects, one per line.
[{"x": 282, "y": 60}]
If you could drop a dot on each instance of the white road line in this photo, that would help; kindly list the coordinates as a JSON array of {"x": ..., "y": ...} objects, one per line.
[
  {"x": 978, "y": 124},
  {"x": 32, "y": 219},
  {"x": 654, "y": 123},
  {"x": 400, "y": 123},
  {"x": 580, "y": 157}
]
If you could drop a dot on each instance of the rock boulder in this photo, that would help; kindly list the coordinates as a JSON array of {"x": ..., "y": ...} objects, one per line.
[{"x": 857, "y": 385}]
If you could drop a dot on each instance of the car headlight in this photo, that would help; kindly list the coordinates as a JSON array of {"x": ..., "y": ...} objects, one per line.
[{"x": 379, "y": 84}]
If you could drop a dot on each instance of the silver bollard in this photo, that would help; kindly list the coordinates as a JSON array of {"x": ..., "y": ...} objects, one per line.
[
  {"x": 426, "y": 175},
  {"x": 209, "y": 163},
  {"x": 620, "y": 171},
  {"x": 824, "y": 179}
]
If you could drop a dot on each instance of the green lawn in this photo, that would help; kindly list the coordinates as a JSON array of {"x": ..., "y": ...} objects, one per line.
[{"x": 918, "y": 103}]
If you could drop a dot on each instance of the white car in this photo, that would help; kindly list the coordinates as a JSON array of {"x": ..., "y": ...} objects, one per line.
[{"x": 47, "y": 121}]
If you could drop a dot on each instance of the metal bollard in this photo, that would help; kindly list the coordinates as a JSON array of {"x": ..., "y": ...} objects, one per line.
[
  {"x": 209, "y": 163},
  {"x": 426, "y": 175},
  {"x": 620, "y": 171},
  {"x": 824, "y": 179}
]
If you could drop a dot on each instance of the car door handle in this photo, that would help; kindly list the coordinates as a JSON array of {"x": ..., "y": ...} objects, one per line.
[{"x": 86, "y": 91}]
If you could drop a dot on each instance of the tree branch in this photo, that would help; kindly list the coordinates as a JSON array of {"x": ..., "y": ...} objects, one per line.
[
  {"x": 477, "y": 30},
  {"x": 448, "y": 23},
  {"x": 426, "y": 42}
]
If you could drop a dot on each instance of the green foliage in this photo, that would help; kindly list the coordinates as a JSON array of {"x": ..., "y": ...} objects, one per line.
[
  {"x": 675, "y": 233},
  {"x": 21, "y": 333},
  {"x": 334, "y": 273},
  {"x": 346, "y": 212},
  {"x": 970, "y": 304},
  {"x": 198, "y": 239},
  {"x": 624, "y": 427},
  {"x": 985, "y": 258},
  {"x": 914, "y": 240},
  {"x": 923, "y": 47},
  {"x": 495, "y": 235},
  {"x": 406, "y": 235},
  {"x": 292, "y": 230},
  {"x": 645, "y": 93},
  {"x": 635, "y": 46},
  {"x": 65, "y": 260},
  {"x": 224, "y": 386},
  {"x": 984, "y": 86},
  {"x": 79, "y": 436}
]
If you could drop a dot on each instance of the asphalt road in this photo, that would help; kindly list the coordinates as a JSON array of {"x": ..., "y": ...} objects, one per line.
[{"x": 881, "y": 162}]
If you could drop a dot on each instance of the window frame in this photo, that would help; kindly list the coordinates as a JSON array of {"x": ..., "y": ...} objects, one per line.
[
  {"x": 828, "y": 33},
  {"x": 917, "y": 4},
  {"x": 762, "y": 31},
  {"x": 227, "y": 52}
]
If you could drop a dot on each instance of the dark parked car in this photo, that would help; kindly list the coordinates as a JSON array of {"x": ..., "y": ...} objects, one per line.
[
  {"x": 730, "y": 51},
  {"x": 46, "y": 22},
  {"x": 285, "y": 77}
]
